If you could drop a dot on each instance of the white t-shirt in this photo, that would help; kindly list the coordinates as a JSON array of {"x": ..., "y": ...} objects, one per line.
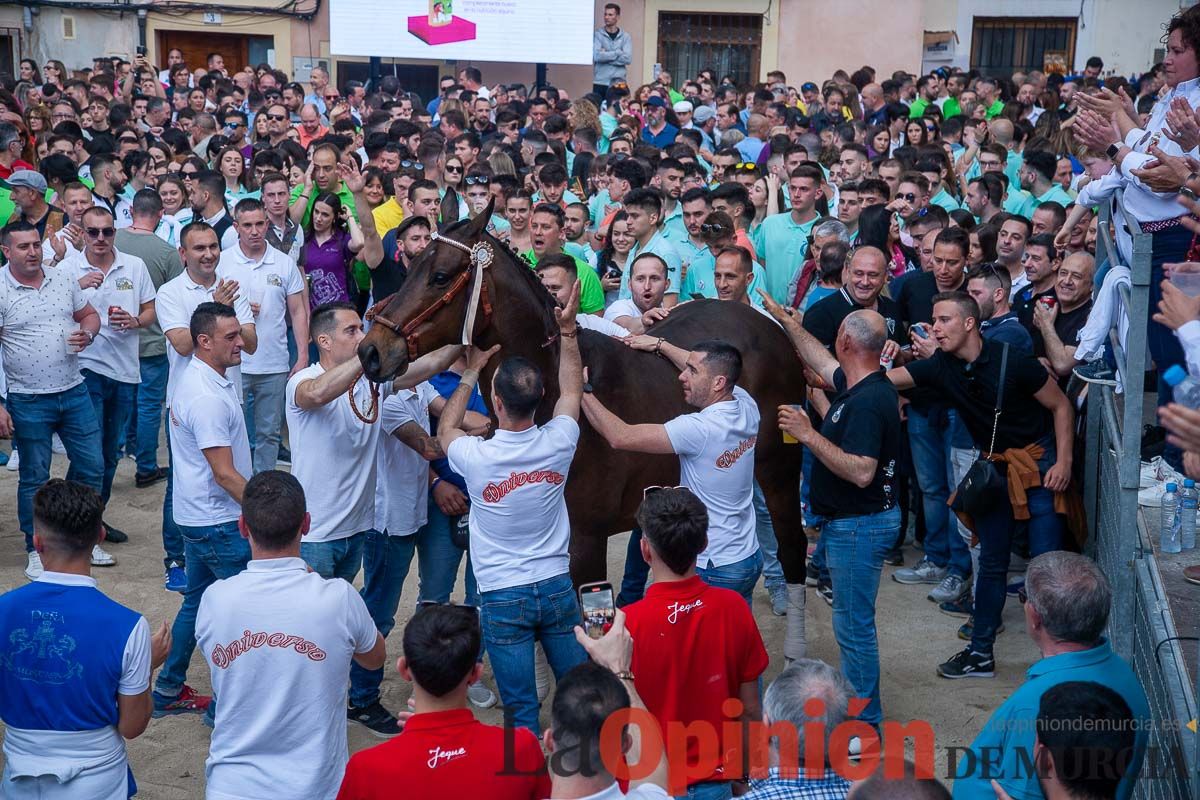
[
  {"x": 278, "y": 640},
  {"x": 333, "y": 457},
  {"x": 206, "y": 413},
  {"x": 127, "y": 284},
  {"x": 601, "y": 325},
  {"x": 519, "y": 526},
  {"x": 269, "y": 281},
  {"x": 175, "y": 303},
  {"x": 402, "y": 483},
  {"x": 716, "y": 460},
  {"x": 621, "y": 308},
  {"x": 34, "y": 324}
]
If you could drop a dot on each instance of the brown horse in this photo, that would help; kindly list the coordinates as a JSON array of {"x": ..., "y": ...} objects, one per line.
[{"x": 605, "y": 486}]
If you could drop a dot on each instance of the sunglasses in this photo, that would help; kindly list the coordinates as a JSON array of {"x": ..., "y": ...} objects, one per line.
[
  {"x": 277, "y": 117},
  {"x": 910, "y": 197},
  {"x": 989, "y": 164},
  {"x": 712, "y": 227},
  {"x": 96, "y": 233},
  {"x": 187, "y": 176},
  {"x": 453, "y": 169},
  {"x": 477, "y": 180},
  {"x": 128, "y": 140},
  {"x": 332, "y": 98},
  {"x": 412, "y": 165},
  {"x": 745, "y": 166}
]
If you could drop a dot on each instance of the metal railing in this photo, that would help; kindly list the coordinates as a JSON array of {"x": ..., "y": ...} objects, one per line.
[{"x": 1141, "y": 627}]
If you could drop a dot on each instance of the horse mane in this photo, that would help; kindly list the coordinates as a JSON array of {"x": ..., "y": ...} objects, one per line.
[{"x": 526, "y": 272}]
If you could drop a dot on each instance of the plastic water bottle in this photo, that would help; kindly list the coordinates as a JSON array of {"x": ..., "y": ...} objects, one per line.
[
  {"x": 1187, "y": 511},
  {"x": 1186, "y": 388},
  {"x": 1169, "y": 540}
]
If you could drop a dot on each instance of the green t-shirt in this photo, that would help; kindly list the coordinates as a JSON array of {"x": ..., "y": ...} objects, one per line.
[{"x": 591, "y": 293}]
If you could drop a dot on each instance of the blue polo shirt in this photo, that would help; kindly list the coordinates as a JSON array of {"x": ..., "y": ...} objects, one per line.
[
  {"x": 1005, "y": 745},
  {"x": 1057, "y": 194},
  {"x": 782, "y": 243},
  {"x": 662, "y": 248},
  {"x": 700, "y": 279}
]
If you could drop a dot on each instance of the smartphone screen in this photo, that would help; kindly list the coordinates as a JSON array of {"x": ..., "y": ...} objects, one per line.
[{"x": 598, "y": 608}]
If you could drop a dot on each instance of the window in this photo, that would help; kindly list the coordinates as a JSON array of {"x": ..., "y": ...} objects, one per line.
[
  {"x": 9, "y": 37},
  {"x": 1003, "y": 45},
  {"x": 728, "y": 44}
]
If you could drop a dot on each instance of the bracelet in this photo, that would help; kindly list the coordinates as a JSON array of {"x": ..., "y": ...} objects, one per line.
[
  {"x": 570, "y": 335},
  {"x": 435, "y": 483},
  {"x": 624, "y": 675},
  {"x": 658, "y": 347},
  {"x": 91, "y": 336}
]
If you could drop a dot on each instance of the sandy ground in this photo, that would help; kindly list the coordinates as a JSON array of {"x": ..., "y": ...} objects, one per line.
[{"x": 168, "y": 760}]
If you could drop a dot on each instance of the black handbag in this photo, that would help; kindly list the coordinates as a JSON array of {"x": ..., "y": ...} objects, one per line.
[{"x": 984, "y": 487}]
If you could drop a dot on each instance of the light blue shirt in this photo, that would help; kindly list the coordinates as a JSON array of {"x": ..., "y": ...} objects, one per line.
[
  {"x": 782, "y": 244},
  {"x": 659, "y": 246},
  {"x": 1007, "y": 739}
]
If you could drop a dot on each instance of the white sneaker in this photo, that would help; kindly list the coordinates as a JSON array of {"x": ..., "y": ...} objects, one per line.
[
  {"x": 1150, "y": 472},
  {"x": 542, "y": 674},
  {"x": 480, "y": 695},
  {"x": 102, "y": 559},
  {"x": 57, "y": 446},
  {"x": 33, "y": 566},
  {"x": 14, "y": 461}
]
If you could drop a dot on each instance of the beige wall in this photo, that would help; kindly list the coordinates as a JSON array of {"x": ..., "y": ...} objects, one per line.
[{"x": 821, "y": 37}]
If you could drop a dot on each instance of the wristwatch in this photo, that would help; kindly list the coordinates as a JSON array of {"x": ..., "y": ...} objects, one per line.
[{"x": 1112, "y": 151}]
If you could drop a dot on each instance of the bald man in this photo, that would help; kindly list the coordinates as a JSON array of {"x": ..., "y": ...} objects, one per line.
[{"x": 854, "y": 489}]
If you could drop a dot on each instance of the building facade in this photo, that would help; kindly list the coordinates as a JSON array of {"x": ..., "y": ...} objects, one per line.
[{"x": 741, "y": 38}]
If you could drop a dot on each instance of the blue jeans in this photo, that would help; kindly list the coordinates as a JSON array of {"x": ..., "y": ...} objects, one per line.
[
  {"x": 36, "y": 417},
  {"x": 172, "y": 538},
  {"x": 438, "y": 559},
  {"x": 262, "y": 403},
  {"x": 340, "y": 558},
  {"x": 741, "y": 576},
  {"x": 386, "y": 560},
  {"x": 1166, "y": 246},
  {"x": 767, "y": 544},
  {"x": 995, "y": 533},
  {"x": 213, "y": 552},
  {"x": 151, "y": 394},
  {"x": 709, "y": 790},
  {"x": 855, "y": 548},
  {"x": 929, "y": 436},
  {"x": 514, "y": 620},
  {"x": 113, "y": 403},
  {"x": 637, "y": 571}
]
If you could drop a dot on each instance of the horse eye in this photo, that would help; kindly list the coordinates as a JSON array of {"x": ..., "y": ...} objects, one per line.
[{"x": 441, "y": 278}]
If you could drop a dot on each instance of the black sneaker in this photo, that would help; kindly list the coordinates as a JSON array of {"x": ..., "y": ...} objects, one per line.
[
  {"x": 812, "y": 576},
  {"x": 114, "y": 535},
  {"x": 895, "y": 558},
  {"x": 962, "y": 607},
  {"x": 825, "y": 589},
  {"x": 968, "y": 664},
  {"x": 1097, "y": 371},
  {"x": 144, "y": 479},
  {"x": 376, "y": 719},
  {"x": 285, "y": 456}
]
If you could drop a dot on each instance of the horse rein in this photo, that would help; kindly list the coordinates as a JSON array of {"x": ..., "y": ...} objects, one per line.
[{"x": 481, "y": 257}]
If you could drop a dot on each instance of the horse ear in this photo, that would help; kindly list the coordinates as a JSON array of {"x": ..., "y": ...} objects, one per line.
[{"x": 475, "y": 229}]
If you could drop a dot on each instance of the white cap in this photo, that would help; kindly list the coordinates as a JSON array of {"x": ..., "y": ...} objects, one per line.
[{"x": 682, "y": 107}]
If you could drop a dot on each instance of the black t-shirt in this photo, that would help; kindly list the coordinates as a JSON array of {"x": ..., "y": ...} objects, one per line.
[
  {"x": 1067, "y": 325},
  {"x": 915, "y": 298},
  {"x": 863, "y": 420},
  {"x": 825, "y": 316},
  {"x": 971, "y": 389},
  {"x": 388, "y": 277}
]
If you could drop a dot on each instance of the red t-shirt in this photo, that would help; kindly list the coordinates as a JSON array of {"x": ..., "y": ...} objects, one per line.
[
  {"x": 6, "y": 172},
  {"x": 448, "y": 754},
  {"x": 694, "y": 645}
]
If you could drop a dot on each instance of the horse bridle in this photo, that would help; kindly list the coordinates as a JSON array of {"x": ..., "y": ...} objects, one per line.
[{"x": 481, "y": 257}]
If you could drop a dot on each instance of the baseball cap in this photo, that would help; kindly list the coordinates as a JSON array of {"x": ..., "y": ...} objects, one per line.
[
  {"x": 809, "y": 87},
  {"x": 656, "y": 101},
  {"x": 682, "y": 107},
  {"x": 29, "y": 179},
  {"x": 703, "y": 114}
]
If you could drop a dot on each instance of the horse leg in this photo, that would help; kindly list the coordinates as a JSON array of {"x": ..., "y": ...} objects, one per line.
[
  {"x": 779, "y": 477},
  {"x": 589, "y": 556}
]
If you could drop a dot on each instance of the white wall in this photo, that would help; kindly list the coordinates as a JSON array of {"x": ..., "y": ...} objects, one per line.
[
  {"x": 96, "y": 34},
  {"x": 1122, "y": 32}
]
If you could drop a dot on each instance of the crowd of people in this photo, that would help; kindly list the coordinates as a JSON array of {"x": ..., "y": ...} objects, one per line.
[{"x": 196, "y": 248}]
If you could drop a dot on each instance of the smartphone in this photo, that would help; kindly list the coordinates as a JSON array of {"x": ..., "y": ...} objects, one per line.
[
  {"x": 598, "y": 607},
  {"x": 920, "y": 331},
  {"x": 141, "y": 49}
]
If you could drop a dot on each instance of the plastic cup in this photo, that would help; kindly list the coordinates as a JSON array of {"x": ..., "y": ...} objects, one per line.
[
  {"x": 1186, "y": 280},
  {"x": 787, "y": 437}
]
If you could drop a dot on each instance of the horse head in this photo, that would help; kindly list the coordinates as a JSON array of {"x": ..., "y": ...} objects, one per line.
[{"x": 430, "y": 310}]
